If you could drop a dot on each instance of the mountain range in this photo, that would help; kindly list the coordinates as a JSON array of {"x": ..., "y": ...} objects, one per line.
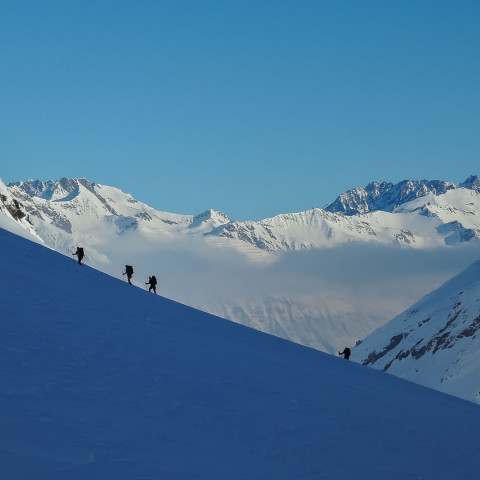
[
  {"x": 295, "y": 275},
  {"x": 415, "y": 213}
]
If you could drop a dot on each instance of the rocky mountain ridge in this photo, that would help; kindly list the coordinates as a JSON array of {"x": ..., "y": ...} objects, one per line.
[{"x": 387, "y": 196}]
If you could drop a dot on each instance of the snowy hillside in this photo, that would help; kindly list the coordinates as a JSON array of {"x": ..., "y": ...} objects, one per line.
[
  {"x": 271, "y": 275},
  {"x": 436, "y": 342},
  {"x": 101, "y": 380}
]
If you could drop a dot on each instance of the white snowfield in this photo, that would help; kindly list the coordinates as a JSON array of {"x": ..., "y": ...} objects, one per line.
[
  {"x": 323, "y": 278},
  {"x": 436, "y": 342},
  {"x": 101, "y": 380}
]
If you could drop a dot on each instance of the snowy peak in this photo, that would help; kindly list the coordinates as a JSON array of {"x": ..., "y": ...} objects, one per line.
[
  {"x": 386, "y": 196},
  {"x": 209, "y": 219},
  {"x": 472, "y": 183},
  {"x": 55, "y": 190},
  {"x": 436, "y": 342},
  {"x": 79, "y": 196},
  {"x": 298, "y": 231},
  {"x": 358, "y": 200},
  {"x": 69, "y": 212}
]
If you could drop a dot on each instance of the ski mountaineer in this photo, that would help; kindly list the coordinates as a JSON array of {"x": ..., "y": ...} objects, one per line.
[
  {"x": 346, "y": 353},
  {"x": 129, "y": 273},
  {"x": 79, "y": 253},
  {"x": 152, "y": 281}
]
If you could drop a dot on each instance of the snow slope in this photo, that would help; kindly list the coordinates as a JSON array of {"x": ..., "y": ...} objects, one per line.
[
  {"x": 102, "y": 380},
  {"x": 436, "y": 342},
  {"x": 251, "y": 272}
]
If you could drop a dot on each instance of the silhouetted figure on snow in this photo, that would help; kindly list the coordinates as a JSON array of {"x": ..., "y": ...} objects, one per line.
[
  {"x": 129, "y": 273},
  {"x": 152, "y": 281},
  {"x": 79, "y": 253},
  {"x": 346, "y": 353}
]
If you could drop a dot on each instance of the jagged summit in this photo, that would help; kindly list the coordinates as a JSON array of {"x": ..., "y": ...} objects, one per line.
[
  {"x": 54, "y": 190},
  {"x": 472, "y": 183},
  {"x": 387, "y": 196},
  {"x": 211, "y": 218}
]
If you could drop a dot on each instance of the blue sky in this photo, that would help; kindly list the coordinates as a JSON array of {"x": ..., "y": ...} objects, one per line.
[{"x": 254, "y": 108}]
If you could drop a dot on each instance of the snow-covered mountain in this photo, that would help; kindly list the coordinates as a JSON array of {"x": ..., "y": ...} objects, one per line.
[
  {"x": 419, "y": 214},
  {"x": 101, "y": 380},
  {"x": 387, "y": 196},
  {"x": 416, "y": 214},
  {"x": 318, "y": 228},
  {"x": 436, "y": 342},
  {"x": 243, "y": 270},
  {"x": 72, "y": 211}
]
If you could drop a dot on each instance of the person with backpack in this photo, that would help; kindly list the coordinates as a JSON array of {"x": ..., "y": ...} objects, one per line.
[
  {"x": 79, "y": 253},
  {"x": 129, "y": 273},
  {"x": 152, "y": 281},
  {"x": 346, "y": 353}
]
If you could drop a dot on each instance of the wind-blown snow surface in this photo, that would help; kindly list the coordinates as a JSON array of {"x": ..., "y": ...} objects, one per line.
[
  {"x": 102, "y": 380},
  {"x": 436, "y": 342}
]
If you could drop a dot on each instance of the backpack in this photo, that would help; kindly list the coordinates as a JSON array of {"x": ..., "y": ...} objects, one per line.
[
  {"x": 128, "y": 269},
  {"x": 153, "y": 280}
]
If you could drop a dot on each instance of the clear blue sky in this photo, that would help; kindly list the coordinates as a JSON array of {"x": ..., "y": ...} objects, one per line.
[{"x": 253, "y": 108}]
